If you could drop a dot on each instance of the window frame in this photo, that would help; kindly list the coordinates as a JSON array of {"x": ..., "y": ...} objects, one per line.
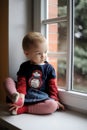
[{"x": 72, "y": 99}]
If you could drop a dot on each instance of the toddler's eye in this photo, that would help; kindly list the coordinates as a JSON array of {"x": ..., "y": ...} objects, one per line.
[
  {"x": 46, "y": 51},
  {"x": 38, "y": 53}
]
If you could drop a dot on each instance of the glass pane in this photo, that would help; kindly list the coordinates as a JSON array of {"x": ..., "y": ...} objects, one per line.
[
  {"x": 52, "y": 9},
  {"x": 56, "y": 8},
  {"x": 80, "y": 46},
  {"x": 57, "y": 37},
  {"x": 57, "y": 50},
  {"x": 60, "y": 67},
  {"x": 62, "y": 8},
  {"x": 52, "y": 35},
  {"x": 61, "y": 74},
  {"x": 62, "y": 39}
]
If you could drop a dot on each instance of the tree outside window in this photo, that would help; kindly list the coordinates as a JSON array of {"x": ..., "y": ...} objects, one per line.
[{"x": 80, "y": 45}]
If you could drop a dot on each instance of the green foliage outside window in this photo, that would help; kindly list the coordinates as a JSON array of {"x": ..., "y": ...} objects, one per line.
[
  {"x": 80, "y": 49},
  {"x": 80, "y": 36}
]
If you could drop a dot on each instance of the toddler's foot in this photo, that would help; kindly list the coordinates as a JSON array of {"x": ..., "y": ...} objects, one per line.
[{"x": 21, "y": 110}]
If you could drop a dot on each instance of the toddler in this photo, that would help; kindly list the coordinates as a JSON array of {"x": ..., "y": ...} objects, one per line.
[{"x": 36, "y": 90}]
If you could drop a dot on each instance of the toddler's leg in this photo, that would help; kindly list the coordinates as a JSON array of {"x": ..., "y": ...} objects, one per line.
[
  {"x": 46, "y": 107},
  {"x": 10, "y": 88}
]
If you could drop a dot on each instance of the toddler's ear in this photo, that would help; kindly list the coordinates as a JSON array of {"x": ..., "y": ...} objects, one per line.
[{"x": 26, "y": 53}]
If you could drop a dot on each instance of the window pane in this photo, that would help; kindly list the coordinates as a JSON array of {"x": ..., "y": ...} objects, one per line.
[
  {"x": 62, "y": 8},
  {"x": 62, "y": 39},
  {"x": 57, "y": 50},
  {"x": 52, "y": 35},
  {"x": 61, "y": 74},
  {"x": 57, "y": 37},
  {"x": 52, "y": 9},
  {"x": 56, "y": 8},
  {"x": 60, "y": 67},
  {"x": 80, "y": 46}
]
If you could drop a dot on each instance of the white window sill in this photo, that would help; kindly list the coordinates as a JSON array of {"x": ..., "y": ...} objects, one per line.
[
  {"x": 74, "y": 100},
  {"x": 59, "y": 120}
]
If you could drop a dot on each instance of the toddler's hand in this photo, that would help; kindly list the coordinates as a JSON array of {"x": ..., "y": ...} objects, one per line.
[
  {"x": 60, "y": 106},
  {"x": 18, "y": 99}
]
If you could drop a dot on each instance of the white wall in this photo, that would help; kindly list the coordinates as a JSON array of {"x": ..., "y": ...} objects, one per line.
[{"x": 20, "y": 22}]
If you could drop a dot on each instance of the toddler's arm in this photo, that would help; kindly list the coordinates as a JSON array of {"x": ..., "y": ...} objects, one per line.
[{"x": 53, "y": 92}]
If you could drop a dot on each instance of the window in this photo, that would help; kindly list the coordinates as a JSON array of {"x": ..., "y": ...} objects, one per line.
[
  {"x": 55, "y": 23},
  {"x": 60, "y": 22}
]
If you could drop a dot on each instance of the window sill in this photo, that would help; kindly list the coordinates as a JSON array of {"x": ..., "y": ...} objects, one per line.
[
  {"x": 59, "y": 120},
  {"x": 74, "y": 100}
]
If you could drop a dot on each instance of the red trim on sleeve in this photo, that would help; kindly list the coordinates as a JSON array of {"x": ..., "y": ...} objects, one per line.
[
  {"x": 21, "y": 85},
  {"x": 53, "y": 90}
]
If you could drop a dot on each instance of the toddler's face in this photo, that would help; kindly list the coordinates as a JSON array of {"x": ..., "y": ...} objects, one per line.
[{"x": 37, "y": 54}]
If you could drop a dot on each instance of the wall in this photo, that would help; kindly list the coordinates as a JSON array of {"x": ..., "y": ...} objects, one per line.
[
  {"x": 20, "y": 22},
  {"x": 15, "y": 22}
]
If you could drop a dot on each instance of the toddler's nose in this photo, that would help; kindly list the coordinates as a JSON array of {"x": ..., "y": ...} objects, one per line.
[{"x": 43, "y": 55}]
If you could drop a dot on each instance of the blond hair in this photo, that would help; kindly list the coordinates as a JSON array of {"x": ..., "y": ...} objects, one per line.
[{"x": 32, "y": 38}]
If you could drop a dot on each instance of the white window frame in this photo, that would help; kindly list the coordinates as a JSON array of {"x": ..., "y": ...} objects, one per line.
[{"x": 73, "y": 100}]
